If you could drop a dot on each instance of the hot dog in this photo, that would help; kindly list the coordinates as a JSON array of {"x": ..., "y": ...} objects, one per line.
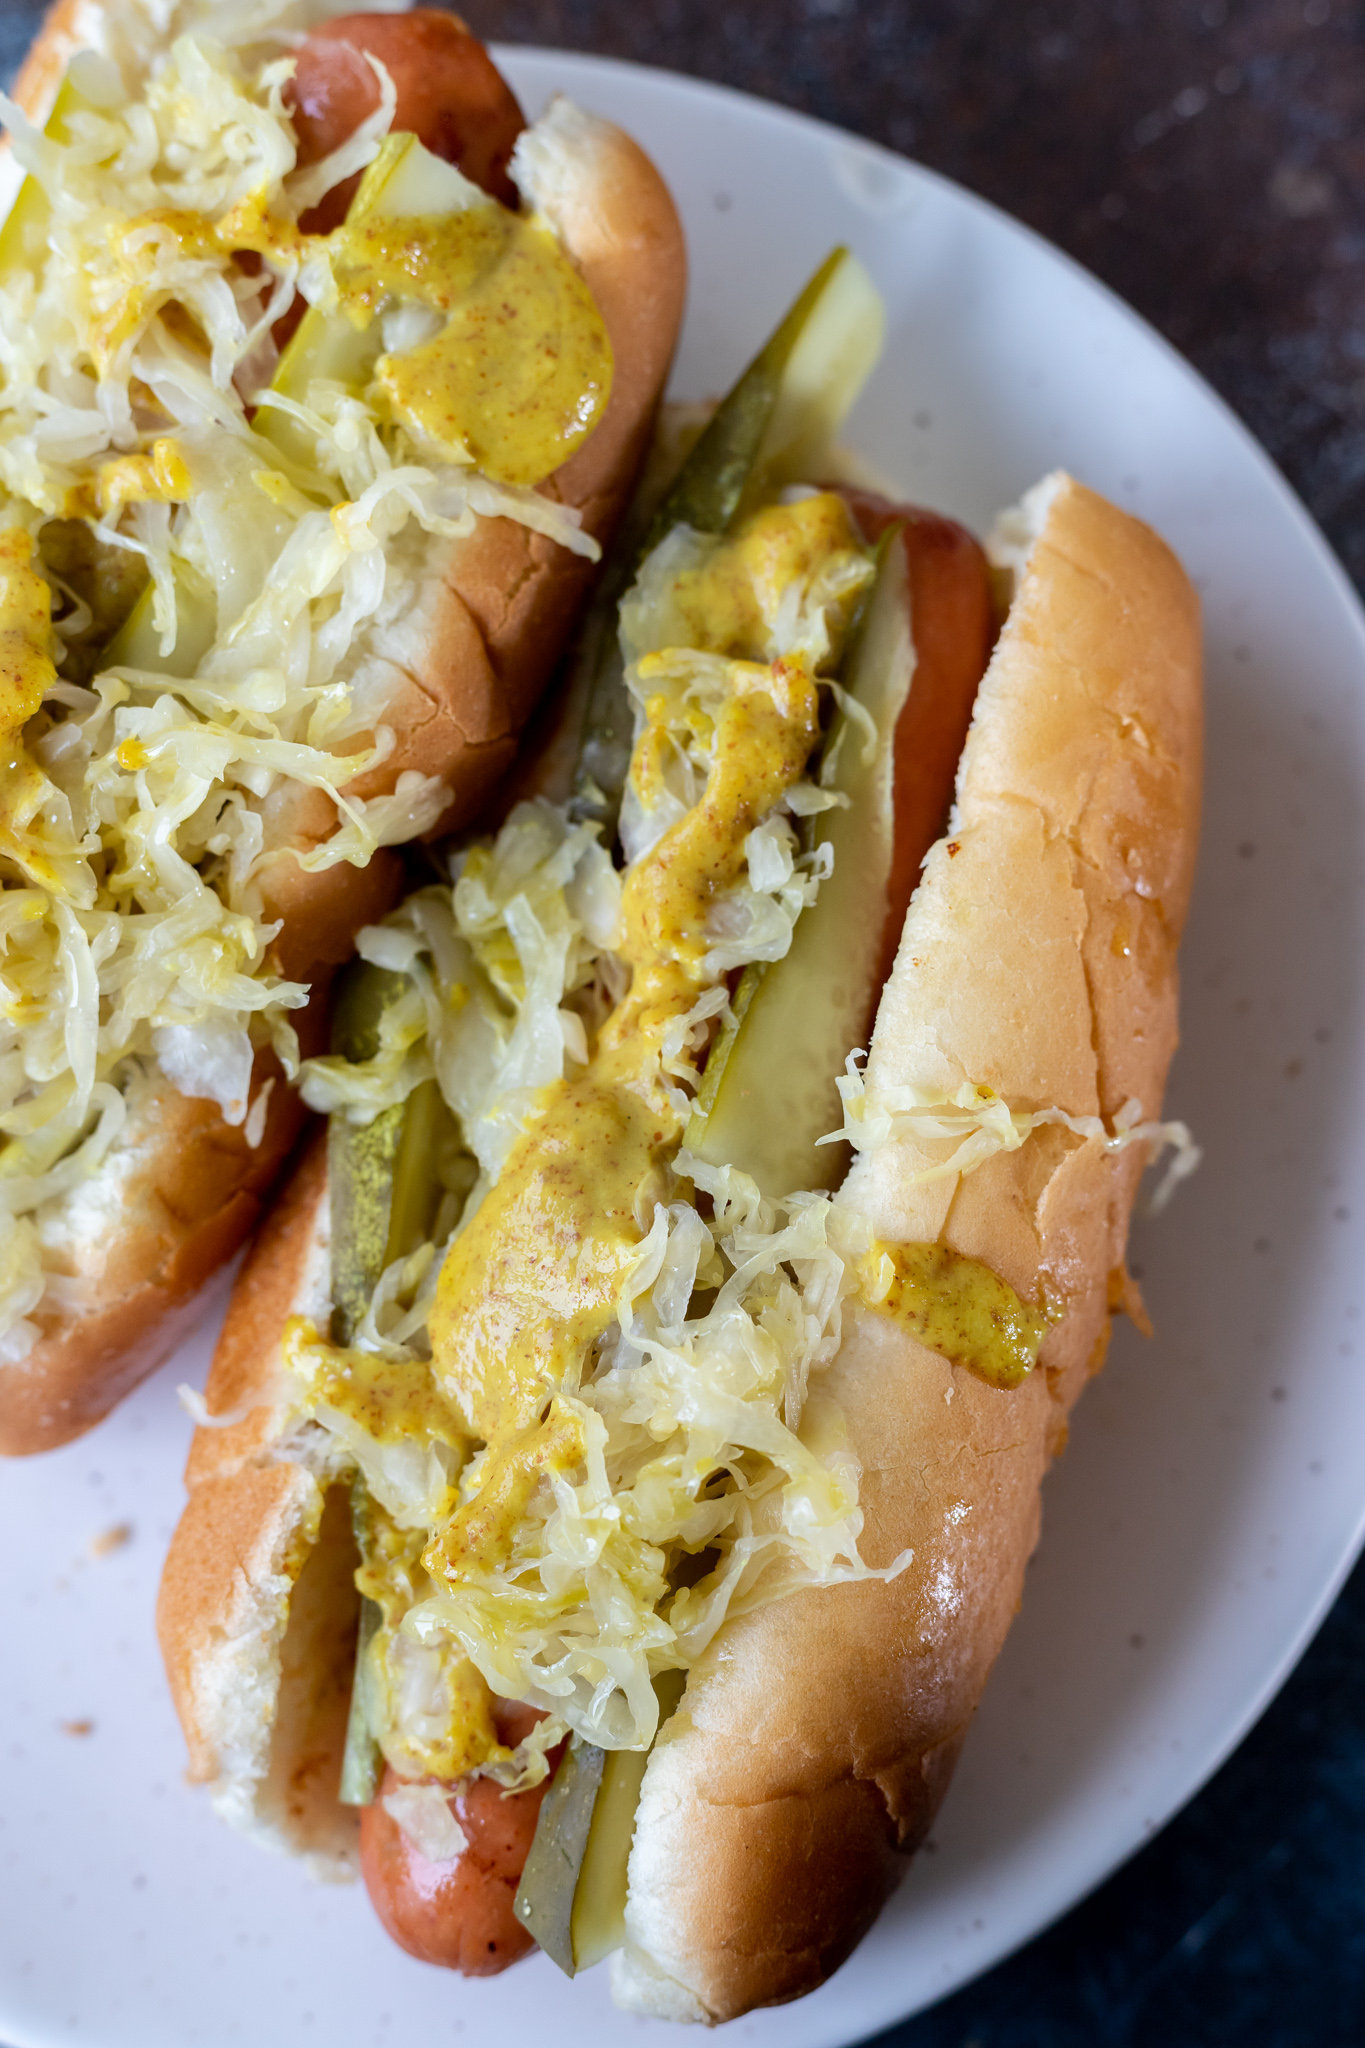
[
  {"x": 258, "y": 645},
  {"x": 452, "y": 95},
  {"x": 734, "y": 1484}
]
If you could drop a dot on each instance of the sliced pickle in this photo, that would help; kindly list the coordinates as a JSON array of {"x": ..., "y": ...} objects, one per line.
[
  {"x": 599, "y": 1907},
  {"x": 386, "y": 1187},
  {"x": 417, "y": 1183},
  {"x": 787, "y": 406},
  {"x": 387, "y": 1178},
  {"x": 360, "y": 1158},
  {"x": 572, "y": 1895},
  {"x": 405, "y": 180},
  {"x": 360, "y": 1161},
  {"x": 137, "y": 644},
  {"x": 769, "y": 430},
  {"x": 768, "y": 1092},
  {"x": 362, "y": 1762},
  {"x": 545, "y": 1897}
]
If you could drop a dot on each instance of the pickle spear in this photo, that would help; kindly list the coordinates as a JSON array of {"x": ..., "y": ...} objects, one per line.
[
  {"x": 787, "y": 406},
  {"x": 545, "y": 1895},
  {"x": 360, "y": 1159},
  {"x": 572, "y": 1895},
  {"x": 362, "y": 1762},
  {"x": 384, "y": 1176},
  {"x": 405, "y": 180},
  {"x": 137, "y": 644},
  {"x": 768, "y": 1091},
  {"x": 385, "y": 1188},
  {"x": 769, "y": 430}
]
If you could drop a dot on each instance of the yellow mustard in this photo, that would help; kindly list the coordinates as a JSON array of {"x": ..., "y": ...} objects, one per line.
[
  {"x": 456, "y": 1732},
  {"x": 532, "y": 1281},
  {"x": 479, "y": 1538},
  {"x": 520, "y": 370},
  {"x": 957, "y": 1307},
  {"x": 393, "y": 1400},
  {"x": 26, "y": 666},
  {"x": 517, "y": 374},
  {"x": 730, "y": 604}
]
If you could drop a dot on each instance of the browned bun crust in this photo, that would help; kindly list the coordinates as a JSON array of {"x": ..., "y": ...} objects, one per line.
[
  {"x": 817, "y": 1736},
  {"x": 177, "y": 1196},
  {"x": 257, "y": 1609},
  {"x": 320, "y": 928}
]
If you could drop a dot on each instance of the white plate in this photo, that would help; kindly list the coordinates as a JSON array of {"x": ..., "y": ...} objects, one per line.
[{"x": 1212, "y": 1499}]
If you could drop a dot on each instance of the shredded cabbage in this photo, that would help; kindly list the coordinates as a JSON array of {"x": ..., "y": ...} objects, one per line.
[
  {"x": 509, "y": 968},
  {"x": 979, "y": 1123},
  {"x": 135, "y": 827}
]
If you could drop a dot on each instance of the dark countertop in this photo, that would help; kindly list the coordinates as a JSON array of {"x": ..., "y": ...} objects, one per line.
[{"x": 1205, "y": 158}]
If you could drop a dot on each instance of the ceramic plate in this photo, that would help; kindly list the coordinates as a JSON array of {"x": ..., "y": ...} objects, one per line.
[{"x": 1211, "y": 1500}]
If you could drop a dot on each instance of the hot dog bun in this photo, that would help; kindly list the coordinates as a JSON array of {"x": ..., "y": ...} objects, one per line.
[
  {"x": 257, "y": 1611},
  {"x": 816, "y": 1739},
  {"x": 453, "y": 667}
]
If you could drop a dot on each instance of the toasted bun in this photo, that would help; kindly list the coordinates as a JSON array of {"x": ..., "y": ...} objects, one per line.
[
  {"x": 257, "y": 1611},
  {"x": 816, "y": 1738},
  {"x": 453, "y": 667}
]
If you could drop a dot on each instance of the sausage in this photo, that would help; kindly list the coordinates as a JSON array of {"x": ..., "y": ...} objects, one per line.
[
  {"x": 450, "y": 95},
  {"x": 458, "y": 1914},
  {"x": 953, "y": 623}
]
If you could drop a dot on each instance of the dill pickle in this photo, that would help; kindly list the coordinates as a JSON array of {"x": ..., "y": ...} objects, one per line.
[
  {"x": 360, "y": 1158},
  {"x": 403, "y": 180},
  {"x": 137, "y": 644},
  {"x": 362, "y": 1762},
  {"x": 768, "y": 1090},
  {"x": 572, "y": 1895},
  {"x": 545, "y": 1895},
  {"x": 387, "y": 1178},
  {"x": 786, "y": 407},
  {"x": 770, "y": 429}
]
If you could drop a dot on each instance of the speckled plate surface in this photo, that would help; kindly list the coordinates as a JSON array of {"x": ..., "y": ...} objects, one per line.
[{"x": 1212, "y": 1497}]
